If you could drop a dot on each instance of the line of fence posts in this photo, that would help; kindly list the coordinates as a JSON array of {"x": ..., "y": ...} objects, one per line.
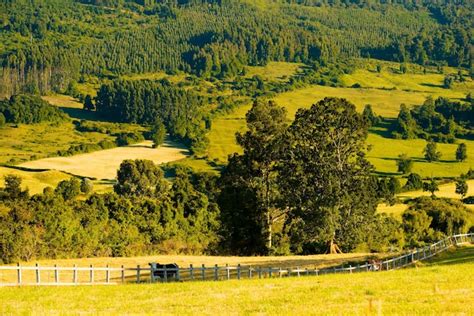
[{"x": 259, "y": 272}]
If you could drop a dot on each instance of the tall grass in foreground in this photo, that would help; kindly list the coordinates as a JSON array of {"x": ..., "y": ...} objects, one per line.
[{"x": 444, "y": 285}]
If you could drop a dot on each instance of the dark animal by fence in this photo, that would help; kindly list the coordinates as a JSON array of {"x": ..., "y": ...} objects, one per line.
[{"x": 164, "y": 271}]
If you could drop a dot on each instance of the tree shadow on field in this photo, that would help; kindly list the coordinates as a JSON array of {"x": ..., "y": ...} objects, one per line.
[
  {"x": 81, "y": 114},
  {"x": 384, "y": 173},
  {"x": 383, "y": 129},
  {"x": 457, "y": 255},
  {"x": 431, "y": 85}
]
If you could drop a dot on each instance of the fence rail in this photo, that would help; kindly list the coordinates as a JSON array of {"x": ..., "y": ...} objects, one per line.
[{"x": 54, "y": 276}]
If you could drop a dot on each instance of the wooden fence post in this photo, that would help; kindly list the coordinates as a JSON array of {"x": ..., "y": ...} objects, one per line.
[
  {"x": 270, "y": 272},
  {"x": 56, "y": 274},
  {"x": 74, "y": 274},
  {"x": 227, "y": 271},
  {"x": 238, "y": 271},
  {"x": 203, "y": 272},
  {"x": 19, "y": 273},
  {"x": 250, "y": 272},
  {"x": 91, "y": 274},
  {"x": 191, "y": 272},
  {"x": 122, "y": 274},
  {"x": 38, "y": 276},
  {"x": 259, "y": 272},
  {"x": 138, "y": 273},
  {"x": 216, "y": 272},
  {"x": 107, "y": 274}
]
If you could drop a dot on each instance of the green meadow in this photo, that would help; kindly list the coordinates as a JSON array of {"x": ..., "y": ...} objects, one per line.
[{"x": 443, "y": 285}]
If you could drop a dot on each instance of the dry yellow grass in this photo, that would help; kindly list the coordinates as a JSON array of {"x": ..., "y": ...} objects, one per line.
[
  {"x": 35, "y": 181},
  {"x": 445, "y": 190},
  {"x": 63, "y": 101},
  {"x": 104, "y": 164},
  {"x": 274, "y": 71}
]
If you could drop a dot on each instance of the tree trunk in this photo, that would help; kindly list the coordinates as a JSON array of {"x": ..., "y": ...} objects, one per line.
[
  {"x": 269, "y": 231},
  {"x": 332, "y": 247}
]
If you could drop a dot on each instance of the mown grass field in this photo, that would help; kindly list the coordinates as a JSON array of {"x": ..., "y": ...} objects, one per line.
[
  {"x": 442, "y": 286},
  {"x": 104, "y": 164},
  {"x": 35, "y": 181}
]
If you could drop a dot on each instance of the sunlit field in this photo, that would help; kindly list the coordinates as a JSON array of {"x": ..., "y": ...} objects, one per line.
[
  {"x": 103, "y": 164},
  {"x": 442, "y": 286}
]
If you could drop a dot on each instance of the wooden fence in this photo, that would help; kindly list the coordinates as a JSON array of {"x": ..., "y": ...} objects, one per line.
[{"x": 55, "y": 276}]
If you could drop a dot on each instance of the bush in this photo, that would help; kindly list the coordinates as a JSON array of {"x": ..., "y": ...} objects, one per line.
[
  {"x": 430, "y": 219},
  {"x": 125, "y": 139}
]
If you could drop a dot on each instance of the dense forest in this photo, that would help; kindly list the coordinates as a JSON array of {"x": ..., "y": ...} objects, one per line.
[
  {"x": 145, "y": 102},
  {"x": 49, "y": 43}
]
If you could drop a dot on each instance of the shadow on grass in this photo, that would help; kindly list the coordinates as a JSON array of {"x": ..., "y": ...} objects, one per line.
[
  {"x": 81, "y": 114},
  {"x": 432, "y": 85},
  {"x": 458, "y": 255},
  {"x": 384, "y": 173}
]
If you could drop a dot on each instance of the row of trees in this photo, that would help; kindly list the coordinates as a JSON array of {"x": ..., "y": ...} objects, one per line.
[{"x": 145, "y": 214}]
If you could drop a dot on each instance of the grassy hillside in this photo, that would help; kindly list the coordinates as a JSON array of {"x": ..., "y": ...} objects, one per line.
[
  {"x": 442, "y": 286},
  {"x": 385, "y": 91},
  {"x": 35, "y": 181}
]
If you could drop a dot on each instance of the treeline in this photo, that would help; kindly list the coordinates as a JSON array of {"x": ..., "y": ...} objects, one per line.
[
  {"x": 62, "y": 41},
  {"x": 29, "y": 109},
  {"x": 440, "y": 120},
  {"x": 145, "y": 102},
  {"x": 146, "y": 214}
]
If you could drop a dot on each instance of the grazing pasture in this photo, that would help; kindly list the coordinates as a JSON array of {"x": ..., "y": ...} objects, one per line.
[
  {"x": 103, "y": 164},
  {"x": 442, "y": 285}
]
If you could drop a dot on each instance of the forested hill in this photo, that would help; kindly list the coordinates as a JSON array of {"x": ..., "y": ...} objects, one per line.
[{"x": 44, "y": 44}]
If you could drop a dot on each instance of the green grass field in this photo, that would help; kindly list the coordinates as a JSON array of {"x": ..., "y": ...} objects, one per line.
[
  {"x": 273, "y": 71},
  {"x": 19, "y": 143},
  {"x": 441, "y": 286}
]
